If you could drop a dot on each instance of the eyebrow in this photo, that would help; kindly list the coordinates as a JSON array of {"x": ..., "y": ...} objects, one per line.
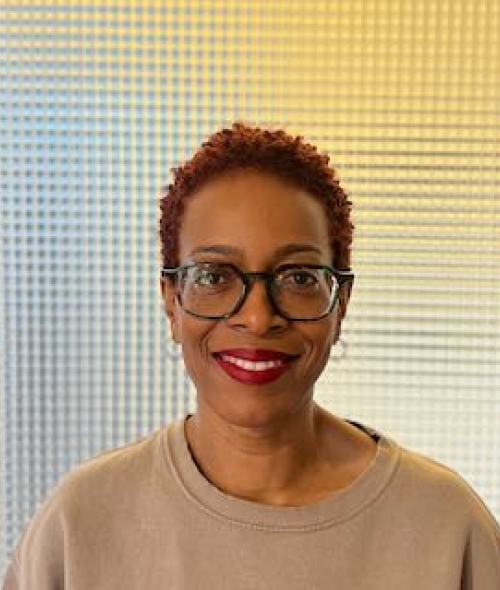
[{"x": 233, "y": 251}]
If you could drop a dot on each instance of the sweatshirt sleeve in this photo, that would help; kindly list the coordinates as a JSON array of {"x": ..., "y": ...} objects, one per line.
[
  {"x": 11, "y": 581},
  {"x": 38, "y": 561},
  {"x": 481, "y": 565},
  {"x": 99, "y": 501}
]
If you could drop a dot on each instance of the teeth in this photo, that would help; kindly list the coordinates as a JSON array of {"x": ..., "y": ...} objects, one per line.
[{"x": 252, "y": 365}]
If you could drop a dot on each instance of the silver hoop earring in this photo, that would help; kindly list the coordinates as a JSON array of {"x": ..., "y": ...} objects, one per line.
[
  {"x": 174, "y": 352},
  {"x": 338, "y": 350}
]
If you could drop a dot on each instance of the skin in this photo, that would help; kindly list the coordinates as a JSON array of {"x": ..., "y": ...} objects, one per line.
[{"x": 267, "y": 443}]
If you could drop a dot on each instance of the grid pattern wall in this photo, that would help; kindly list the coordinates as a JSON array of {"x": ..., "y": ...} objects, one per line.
[{"x": 99, "y": 99}]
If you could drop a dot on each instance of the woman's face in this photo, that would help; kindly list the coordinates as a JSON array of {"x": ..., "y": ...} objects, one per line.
[{"x": 256, "y": 222}]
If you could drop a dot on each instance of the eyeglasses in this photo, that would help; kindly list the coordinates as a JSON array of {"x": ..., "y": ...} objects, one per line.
[{"x": 215, "y": 291}]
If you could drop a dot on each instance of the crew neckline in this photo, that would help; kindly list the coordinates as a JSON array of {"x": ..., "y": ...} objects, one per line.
[{"x": 338, "y": 507}]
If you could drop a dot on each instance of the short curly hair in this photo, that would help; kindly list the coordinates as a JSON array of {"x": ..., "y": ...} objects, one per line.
[{"x": 275, "y": 152}]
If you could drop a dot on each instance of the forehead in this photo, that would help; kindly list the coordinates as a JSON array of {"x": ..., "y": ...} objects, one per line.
[{"x": 254, "y": 212}]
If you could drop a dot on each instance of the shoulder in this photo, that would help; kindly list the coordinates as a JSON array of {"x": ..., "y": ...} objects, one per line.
[
  {"x": 114, "y": 485},
  {"x": 115, "y": 495},
  {"x": 433, "y": 492},
  {"x": 437, "y": 480},
  {"x": 132, "y": 466}
]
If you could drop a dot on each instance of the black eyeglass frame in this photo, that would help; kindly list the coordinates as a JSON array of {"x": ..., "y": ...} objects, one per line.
[{"x": 248, "y": 279}]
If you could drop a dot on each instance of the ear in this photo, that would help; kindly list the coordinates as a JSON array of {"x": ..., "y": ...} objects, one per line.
[
  {"x": 169, "y": 296},
  {"x": 344, "y": 296}
]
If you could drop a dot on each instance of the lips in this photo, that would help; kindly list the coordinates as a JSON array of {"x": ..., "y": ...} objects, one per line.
[{"x": 253, "y": 366}]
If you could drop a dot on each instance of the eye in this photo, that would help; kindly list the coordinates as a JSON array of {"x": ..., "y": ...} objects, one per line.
[
  {"x": 305, "y": 279},
  {"x": 211, "y": 276}
]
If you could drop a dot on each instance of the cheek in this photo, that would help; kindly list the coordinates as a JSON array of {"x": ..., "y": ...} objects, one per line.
[
  {"x": 321, "y": 340},
  {"x": 193, "y": 335}
]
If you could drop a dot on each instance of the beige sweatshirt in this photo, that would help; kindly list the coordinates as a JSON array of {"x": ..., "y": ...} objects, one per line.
[{"x": 144, "y": 517}]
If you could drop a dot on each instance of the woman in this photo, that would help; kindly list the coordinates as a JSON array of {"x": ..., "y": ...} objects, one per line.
[{"x": 260, "y": 488}]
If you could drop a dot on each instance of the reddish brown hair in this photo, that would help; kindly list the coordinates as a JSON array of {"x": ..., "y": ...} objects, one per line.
[{"x": 275, "y": 152}]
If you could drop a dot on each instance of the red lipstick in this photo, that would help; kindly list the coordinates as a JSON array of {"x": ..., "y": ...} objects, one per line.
[{"x": 253, "y": 366}]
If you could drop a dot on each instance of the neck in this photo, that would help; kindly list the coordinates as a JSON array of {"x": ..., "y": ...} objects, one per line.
[{"x": 272, "y": 464}]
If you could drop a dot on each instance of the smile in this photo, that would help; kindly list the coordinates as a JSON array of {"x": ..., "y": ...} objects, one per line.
[{"x": 253, "y": 367}]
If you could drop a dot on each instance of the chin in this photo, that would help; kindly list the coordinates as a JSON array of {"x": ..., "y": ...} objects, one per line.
[{"x": 267, "y": 409}]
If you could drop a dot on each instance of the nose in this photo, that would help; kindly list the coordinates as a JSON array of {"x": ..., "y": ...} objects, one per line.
[{"x": 257, "y": 314}]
